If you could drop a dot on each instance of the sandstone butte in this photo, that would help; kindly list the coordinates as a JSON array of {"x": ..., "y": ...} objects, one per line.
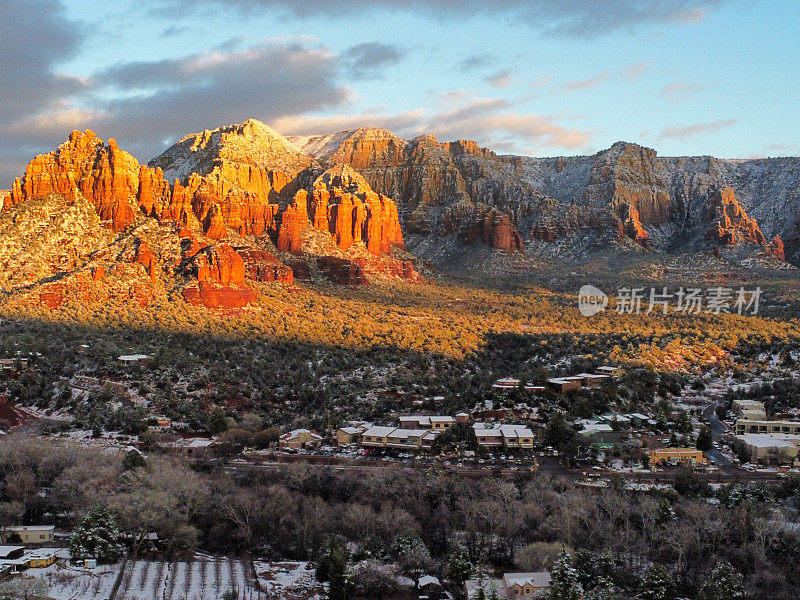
[
  {"x": 233, "y": 196},
  {"x": 730, "y": 223}
]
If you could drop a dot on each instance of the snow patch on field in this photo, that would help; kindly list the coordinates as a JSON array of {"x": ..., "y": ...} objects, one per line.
[{"x": 289, "y": 580}]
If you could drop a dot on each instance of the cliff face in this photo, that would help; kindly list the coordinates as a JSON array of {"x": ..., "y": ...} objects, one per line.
[
  {"x": 626, "y": 194},
  {"x": 242, "y": 183},
  {"x": 435, "y": 183},
  {"x": 104, "y": 174}
]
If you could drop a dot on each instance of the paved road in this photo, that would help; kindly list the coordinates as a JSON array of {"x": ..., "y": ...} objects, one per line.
[{"x": 718, "y": 429}]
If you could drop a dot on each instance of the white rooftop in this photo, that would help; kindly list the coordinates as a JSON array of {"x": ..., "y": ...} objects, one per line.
[
  {"x": 595, "y": 428},
  {"x": 133, "y": 357},
  {"x": 539, "y": 579},
  {"x": 766, "y": 441},
  {"x": 379, "y": 431}
]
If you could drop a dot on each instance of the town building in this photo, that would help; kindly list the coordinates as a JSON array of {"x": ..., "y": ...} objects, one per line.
[
  {"x": 10, "y": 364},
  {"x": 690, "y": 456},
  {"x": 745, "y": 426},
  {"x": 349, "y": 435},
  {"x": 565, "y": 384},
  {"x": 299, "y": 438},
  {"x": 608, "y": 370},
  {"x": 512, "y": 586},
  {"x": 509, "y": 436},
  {"x": 16, "y": 558},
  {"x": 510, "y": 383},
  {"x": 749, "y": 409},
  {"x": 29, "y": 534},
  {"x": 525, "y": 585},
  {"x": 600, "y": 433},
  {"x": 592, "y": 380},
  {"x": 191, "y": 447},
  {"x": 438, "y": 422},
  {"x": 777, "y": 448},
  {"x": 376, "y": 436}
]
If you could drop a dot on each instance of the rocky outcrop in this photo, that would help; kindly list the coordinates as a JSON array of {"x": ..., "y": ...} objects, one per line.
[
  {"x": 342, "y": 271},
  {"x": 500, "y": 233},
  {"x": 220, "y": 273},
  {"x": 102, "y": 173},
  {"x": 144, "y": 256},
  {"x": 208, "y": 295},
  {"x": 775, "y": 248},
  {"x": 345, "y": 205},
  {"x": 261, "y": 266},
  {"x": 481, "y": 224},
  {"x": 729, "y": 221}
]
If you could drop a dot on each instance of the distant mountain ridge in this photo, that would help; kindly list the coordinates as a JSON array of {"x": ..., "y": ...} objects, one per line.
[{"x": 242, "y": 204}]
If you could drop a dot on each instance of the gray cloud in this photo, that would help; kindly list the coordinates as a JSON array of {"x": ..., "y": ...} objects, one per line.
[
  {"x": 687, "y": 132},
  {"x": 492, "y": 122},
  {"x": 570, "y": 18},
  {"x": 501, "y": 79},
  {"x": 366, "y": 61},
  {"x": 154, "y": 103},
  {"x": 475, "y": 61},
  {"x": 35, "y": 36}
]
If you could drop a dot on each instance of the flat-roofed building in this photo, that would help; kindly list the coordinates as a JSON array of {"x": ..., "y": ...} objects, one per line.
[
  {"x": 746, "y": 426},
  {"x": 742, "y": 405},
  {"x": 376, "y": 436},
  {"x": 780, "y": 448},
  {"x": 565, "y": 384},
  {"x": 30, "y": 534},
  {"x": 678, "y": 456},
  {"x": 438, "y": 422},
  {"x": 407, "y": 439},
  {"x": 608, "y": 370},
  {"x": 592, "y": 380}
]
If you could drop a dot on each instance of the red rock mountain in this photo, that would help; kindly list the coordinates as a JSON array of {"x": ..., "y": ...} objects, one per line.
[{"x": 240, "y": 183}]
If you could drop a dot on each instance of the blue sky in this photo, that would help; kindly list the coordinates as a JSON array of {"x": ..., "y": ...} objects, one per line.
[{"x": 544, "y": 78}]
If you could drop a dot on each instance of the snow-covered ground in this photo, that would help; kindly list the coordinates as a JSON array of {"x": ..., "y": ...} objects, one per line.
[
  {"x": 288, "y": 580},
  {"x": 205, "y": 578},
  {"x": 67, "y": 582}
]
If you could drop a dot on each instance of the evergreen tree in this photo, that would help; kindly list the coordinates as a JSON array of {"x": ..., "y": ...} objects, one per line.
[
  {"x": 704, "y": 440},
  {"x": 724, "y": 583},
  {"x": 459, "y": 568},
  {"x": 96, "y": 536},
  {"x": 332, "y": 567},
  {"x": 565, "y": 584},
  {"x": 657, "y": 584}
]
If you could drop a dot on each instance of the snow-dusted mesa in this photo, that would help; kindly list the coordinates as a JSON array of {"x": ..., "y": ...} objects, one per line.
[{"x": 248, "y": 143}]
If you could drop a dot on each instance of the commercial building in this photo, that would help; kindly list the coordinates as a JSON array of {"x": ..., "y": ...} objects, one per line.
[
  {"x": 508, "y": 436},
  {"x": 691, "y": 456},
  {"x": 29, "y": 534},
  {"x": 745, "y": 426},
  {"x": 299, "y": 438},
  {"x": 777, "y": 448},
  {"x": 438, "y": 422}
]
